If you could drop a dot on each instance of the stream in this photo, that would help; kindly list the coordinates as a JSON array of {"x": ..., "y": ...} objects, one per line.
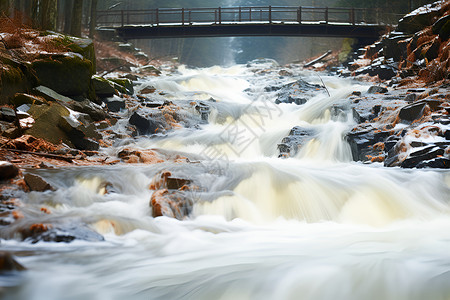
[{"x": 316, "y": 225}]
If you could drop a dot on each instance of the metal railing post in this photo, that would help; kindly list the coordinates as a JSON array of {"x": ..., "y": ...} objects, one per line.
[
  {"x": 240, "y": 14},
  {"x": 299, "y": 14},
  {"x": 121, "y": 18},
  {"x": 326, "y": 15},
  {"x": 220, "y": 15},
  {"x": 250, "y": 14},
  {"x": 270, "y": 14},
  {"x": 182, "y": 16},
  {"x": 157, "y": 16},
  {"x": 352, "y": 16}
]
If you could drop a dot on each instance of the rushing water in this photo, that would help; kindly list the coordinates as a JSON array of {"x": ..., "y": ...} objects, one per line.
[{"x": 313, "y": 226}]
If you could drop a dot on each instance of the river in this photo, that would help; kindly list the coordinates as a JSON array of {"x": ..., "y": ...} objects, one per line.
[{"x": 312, "y": 226}]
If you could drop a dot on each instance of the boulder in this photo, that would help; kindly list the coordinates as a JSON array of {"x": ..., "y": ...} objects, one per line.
[
  {"x": 418, "y": 19},
  {"x": 298, "y": 92},
  {"x": 426, "y": 154},
  {"x": 123, "y": 85},
  {"x": 412, "y": 112},
  {"x": 60, "y": 233},
  {"x": 37, "y": 183},
  {"x": 8, "y": 170},
  {"x": 298, "y": 136},
  {"x": 437, "y": 26},
  {"x": 8, "y": 263},
  {"x": 22, "y": 98},
  {"x": 7, "y": 114},
  {"x": 103, "y": 87},
  {"x": 68, "y": 74},
  {"x": 173, "y": 204},
  {"x": 377, "y": 89},
  {"x": 114, "y": 104},
  {"x": 149, "y": 70},
  {"x": 143, "y": 125}
]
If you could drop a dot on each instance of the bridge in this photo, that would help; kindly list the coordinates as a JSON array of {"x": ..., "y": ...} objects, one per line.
[{"x": 243, "y": 21}]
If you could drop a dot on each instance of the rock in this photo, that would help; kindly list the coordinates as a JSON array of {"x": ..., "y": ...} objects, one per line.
[
  {"x": 298, "y": 136},
  {"x": 438, "y": 163},
  {"x": 82, "y": 46},
  {"x": 203, "y": 109},
  {"x": 411, "y": 97},
  {"x": 427, "y": 154},
  {"x": 37, "y": 183},
  {"x": 80, "y": 135},
  {"x": 123, "y": 85},
  {"x": 61, "y": 233},
  {"x": 377, "y": 89},
  {"x": 143, "y": 125},
  {"x": 176, "y": 183},
  {"x": 114, "y": 104},
  {"x": 21, "y": 98},
  {"x": 170, "y": 204},
  {"x": 418, "y": 19},
  {"x": 103, "y": 87},
  {"x": 412, "y": 112},
  {"x": 68, "y": 74},
  {"x": 361, "y": 143},
  {"x": 8, "y": 170},
  {"x": 148, "y": 90},
  {"x": 9, "y": 264},
  {"x": 7, "y": 114},
  {"x": 298, "y": 92},
  {"x": 437, "y": 26},
  {"x": 149, "y": 70},
  {"x": 444, "y": 33},
  {"x": 85, "y": 106}
]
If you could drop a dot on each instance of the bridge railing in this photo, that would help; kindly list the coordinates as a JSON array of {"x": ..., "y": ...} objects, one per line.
[{"x": 226, "y": 15}]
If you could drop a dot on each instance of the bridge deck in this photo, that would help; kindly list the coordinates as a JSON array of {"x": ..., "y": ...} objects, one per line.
[{"x": 243, "y": 21}]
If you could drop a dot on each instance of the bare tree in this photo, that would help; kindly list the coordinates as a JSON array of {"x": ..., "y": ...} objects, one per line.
[
  {"x": 93, "y": 21},
  {"x": 76, "y": 20}
]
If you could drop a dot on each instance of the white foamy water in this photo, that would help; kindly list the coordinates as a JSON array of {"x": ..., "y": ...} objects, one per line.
[{"x": 313, "y": 226}]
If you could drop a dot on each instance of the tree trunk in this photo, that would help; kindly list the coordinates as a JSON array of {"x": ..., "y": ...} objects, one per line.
[
  {"x": 77, "y": 14},
  {"x": 48, "y": 12},
  {"x": 93, "y": 21},
  {"x": 68, "y": 5}
]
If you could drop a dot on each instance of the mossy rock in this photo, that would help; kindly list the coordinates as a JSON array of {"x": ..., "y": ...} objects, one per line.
[
  {"x": 69, "y": 75},
  {"x": 22, "y": 98},
  {"x": 47, "y": 117},
  {"x": 14, "y": 77},
  {"x": 85, "y": 47},
  {"x": 125, "y": 85},
  {"x": 103, "y": 87},
  {"x": 416, "y": 22}
]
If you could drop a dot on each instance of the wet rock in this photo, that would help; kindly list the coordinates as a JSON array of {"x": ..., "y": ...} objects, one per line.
[
  {"x": 8, "y": 170},
  {"x": 439, "y": 163},
  {"x": 67, "y": 74},
  {"x": 412, "y": 112},
  {"x": 103, "y": 87},
  {"x": 149, "y": 70},
  {"x": 60, "y": 233},
  {"x": 377, "y": 89},
  {"x": 143, "y": 125},
  {"x": 418, "y": 19},
  {"x": 203, "y": 109},
  {"x": 298, "y": 92},
  {"x": 411, "y": 97},
  {"x": 37, "y": 183},
  {"x": 8, "y": 263},
  {"x": 173, "y": 204},
  {"x": 123, "y": 85},
  {"x": 439, "y": 24},
  {"x": 7, "y": 114},
  {"x": 362, "y": 143},
  {"x": 426, "y": 154},
  {"x": 114, "y": 104},
  {"x": 298, "y": 136},
  {"x": 22, "y": 98},
  {"x": 176, "y": 183}
]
